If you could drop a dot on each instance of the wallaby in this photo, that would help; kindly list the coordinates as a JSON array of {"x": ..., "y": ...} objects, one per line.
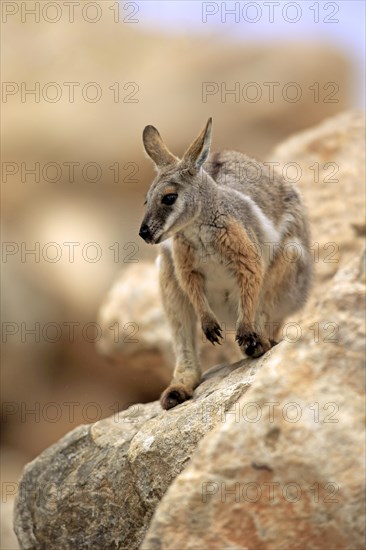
[{"x": 234, "y": 249}]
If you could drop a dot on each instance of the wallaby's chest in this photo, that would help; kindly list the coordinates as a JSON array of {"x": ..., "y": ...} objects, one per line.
[{"x": 221, "y": 287}]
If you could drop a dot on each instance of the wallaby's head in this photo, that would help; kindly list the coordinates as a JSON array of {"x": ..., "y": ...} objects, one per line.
[{"x": 174, "y": 198}]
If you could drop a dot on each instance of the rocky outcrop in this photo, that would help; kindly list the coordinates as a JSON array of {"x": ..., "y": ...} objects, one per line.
[
  {"x": 277, "y": 446},
  {"x": 286, "y": 467},
  {"x": 99, "y": 486}
]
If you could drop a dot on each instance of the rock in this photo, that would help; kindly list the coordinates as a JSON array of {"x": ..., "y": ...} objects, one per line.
[
  {"x": 133, "y": 307},
  {"x": 285, "y": 469},
  {"x": 100, "y": 484},
  {"x": 290, "y": 422}
]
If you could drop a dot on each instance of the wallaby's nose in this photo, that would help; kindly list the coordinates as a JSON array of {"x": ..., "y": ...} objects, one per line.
[{"x": 145, "y": 232}]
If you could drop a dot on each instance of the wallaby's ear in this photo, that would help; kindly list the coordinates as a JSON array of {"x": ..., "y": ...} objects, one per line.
[
  {"x": 156, "y": 149},
  {"x": 198, "y": 151}
]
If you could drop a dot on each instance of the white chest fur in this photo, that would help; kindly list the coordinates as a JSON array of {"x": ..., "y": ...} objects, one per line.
[{"x": 221, "y": 287}]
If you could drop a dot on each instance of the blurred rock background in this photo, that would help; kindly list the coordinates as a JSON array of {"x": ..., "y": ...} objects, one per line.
[{"x": 55, "y": 378}]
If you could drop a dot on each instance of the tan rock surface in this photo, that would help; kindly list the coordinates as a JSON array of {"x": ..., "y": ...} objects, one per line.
[
  {"x": 291, "y": 422},
  {"x": 285, "y": 469},
  {"x": 99, "y": 485}
]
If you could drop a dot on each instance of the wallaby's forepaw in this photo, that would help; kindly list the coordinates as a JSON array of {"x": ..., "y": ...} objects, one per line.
[
  {"x": 174, "y": 395},
  {"x": 212, "y": 330},
  {"x": 252, "y": 344}
]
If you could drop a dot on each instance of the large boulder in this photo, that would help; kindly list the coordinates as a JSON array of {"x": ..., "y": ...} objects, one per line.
[
  {"x": 285, "y": 469},
  {"x": 99, "y": 485}
]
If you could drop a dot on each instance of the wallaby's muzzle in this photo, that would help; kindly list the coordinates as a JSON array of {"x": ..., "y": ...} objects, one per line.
[{"x": 145, "y": 233}]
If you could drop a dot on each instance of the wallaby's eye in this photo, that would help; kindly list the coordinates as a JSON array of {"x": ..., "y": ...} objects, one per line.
[{"x": 169, "y": 199}]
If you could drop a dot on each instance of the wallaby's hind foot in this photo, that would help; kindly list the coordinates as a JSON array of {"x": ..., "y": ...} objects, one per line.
[
  {"x": 175, "y": 395},
  {"x": 252, "y": 344}
]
